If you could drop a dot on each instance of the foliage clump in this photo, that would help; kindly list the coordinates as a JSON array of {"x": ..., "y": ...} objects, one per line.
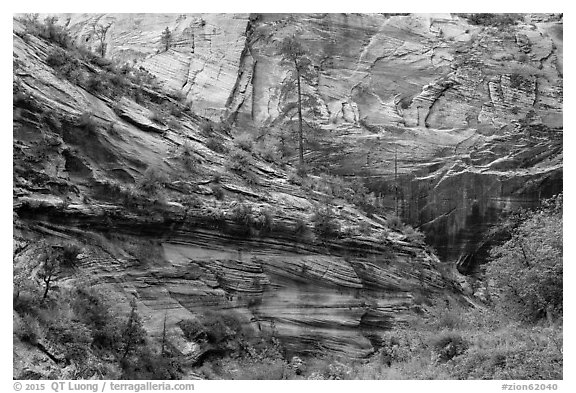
[
  {"x": 494, "y": 20},
  {"x": 325, "y": 223},
  {"x": 152, "y": 182},
  {"x": 87, "y": 121},
  {"x": 243, "y": 215},
  {"x": 527, "y": 270},
  {"x": 448, "y": 345},
  {"x": 188, "y": 157},
  {"x": 216, "y": 144}
]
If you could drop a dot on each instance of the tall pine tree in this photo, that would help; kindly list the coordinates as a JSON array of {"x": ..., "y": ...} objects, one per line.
[{"x": 294, "y": 55}]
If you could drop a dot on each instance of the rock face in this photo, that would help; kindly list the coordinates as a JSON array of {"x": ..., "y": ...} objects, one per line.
[
  {"x": 432, "y": 70},
  {"x": 470, "y": 116},
  {"x": 202, "y": 63},
  {"x": 436, "y": 89},
  {"x": 77, "y": 159}
]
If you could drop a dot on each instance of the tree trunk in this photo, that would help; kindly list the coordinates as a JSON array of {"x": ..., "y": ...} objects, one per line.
[
  {"x": 300, "y": 133},
  {"x": 163, "y": 352},
  {"x": 47, "y": 281}
]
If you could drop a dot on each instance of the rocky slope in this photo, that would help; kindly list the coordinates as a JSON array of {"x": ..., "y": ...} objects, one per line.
[
  {"x": 464, "y": 106},
  {"x": 79, "y": 157}
]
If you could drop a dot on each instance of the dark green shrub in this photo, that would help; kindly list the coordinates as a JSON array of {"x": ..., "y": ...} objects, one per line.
[
  {"x": 213, "y": 327},
  {"x": 48, "y": 30},
  {"x": 218, "y": 192},
  {"x": 244, "y": 141},
  {"x": 92, "y": 308},
  {"x": 268, "y": 147},
  {"x": 73, "y": 335},
  {"x": 414, "y": 235},
  {"x": 394, "y": 222},
  {"x": 365, "y": 228},
  {"x": 528, "y": 269},
  {"x": 300, "y": 227},
  {"x": 243, "y": 215},
  {"x": 240, "y": 162},
  {"x": 174, "y": 109},
  {"x": 251, "y": 178},
  {"x": 58, "y": 57},
  {"x": 70, "y": 252},
  {"x": 448, "y": 345},
  {"x": 188, "y": 157},
  {"x": 97, "y": 84},
  {"x": 192, "y": 329},
  {"x": 222, "y": 127},
  {"x": 206, "y": 127},
  {"x": 215, "y": 144},
  {"x": 293, "y": 178},
  {"x": 325, "y": 223},
  {"x": 157, "y": 117},
  {"x": 29, "y": 329},
  {"x": 494, "y": 20},
  {"x": 301, "y": 171},
  {"x": 87, "y": 122},
  {"x": 266, "y": 221},
  {"x": 146, "y": 365},
  {"x": 152, "y": 181}
]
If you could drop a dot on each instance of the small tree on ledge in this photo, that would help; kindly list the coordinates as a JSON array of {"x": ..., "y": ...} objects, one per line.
[
  {"x": 100, "y": 32},
  {"x": 166, "y": 39}
]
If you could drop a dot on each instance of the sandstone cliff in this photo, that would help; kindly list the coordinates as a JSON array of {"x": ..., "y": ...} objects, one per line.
[
  {"x": 211, "y": 239},
  {"x": 470, "y": 115},
  {"x": 463, "y": 105}
]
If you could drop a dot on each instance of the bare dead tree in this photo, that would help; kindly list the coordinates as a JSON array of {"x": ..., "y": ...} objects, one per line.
[{"x": 100, "y": 31}]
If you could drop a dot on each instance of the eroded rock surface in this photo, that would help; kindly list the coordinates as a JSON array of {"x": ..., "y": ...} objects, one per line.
[
  {"x": 187, "y": 252},
  {"x": 434, "y": 88},
  {"x": 470, "y": 116}
]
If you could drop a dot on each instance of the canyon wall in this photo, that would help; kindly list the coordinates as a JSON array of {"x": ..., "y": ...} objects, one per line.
[
  {"x": 469, "y": 116},
  {"x": 435, "y": 91},
  {"x": 79, "y": 156}
]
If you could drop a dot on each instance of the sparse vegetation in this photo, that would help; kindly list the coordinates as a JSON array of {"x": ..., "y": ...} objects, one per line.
[
  {"x": 87, "y": 122},
  {"x": 217, "y": 191},
  {"x": 500, "y": 21},
  {"x": 244, "y": 141},
  {"x": 215, "y": 144},
  {"x": 414, "y": 235},
  {"x": 152, "y": 182},
  {"x": 101, "y": 31},
  {"x": 188, "y": 157},
  {"x": 166, "y": 39},
  {"x": 300, "y": 227},
  {"x": 325, "y": 223},
  {"x": 241, "y": 162},
  {"x": 82, "y": 326},
  {"x": 157, "y": 117},
  {"x": 90, "y": 331},
  {"x": 243, "y": 215},
  {"x": 394, "y": 222},
  {"x": 48, "y": 30},
  {"x": 527, "y": 270}
]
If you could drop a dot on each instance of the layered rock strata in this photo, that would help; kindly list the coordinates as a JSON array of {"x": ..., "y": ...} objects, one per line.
[
  {"x": 187, "y": 252},
  {"x": 457, "y": 87}
]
